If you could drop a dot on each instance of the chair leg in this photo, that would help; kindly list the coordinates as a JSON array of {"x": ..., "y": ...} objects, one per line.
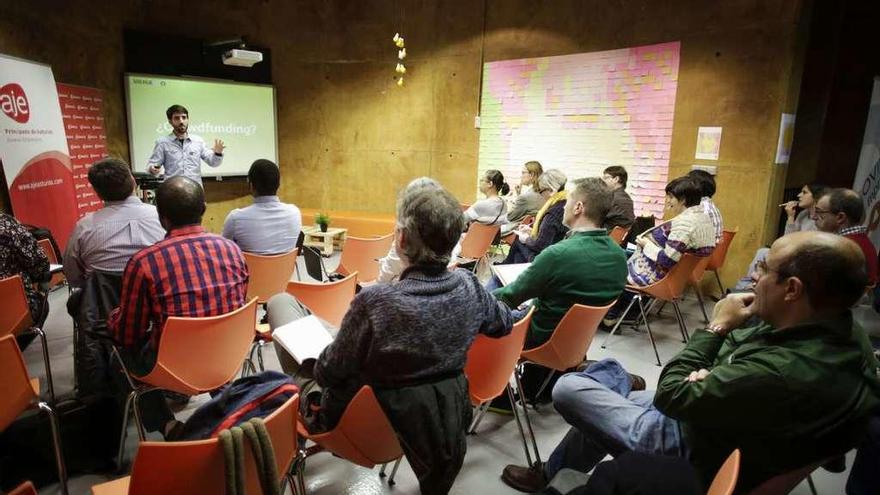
[
  {"x": 812, "y": 485},
  {"x": 394, "y": 471},
  {"x": 136, "y": 409},
  {"x": 720, "y": 287},
  {"x": 481, "y": 411},
  {"x": 650, "y": 333},
  {"x": 260, "y": 345},
  {"x": 522, "y": 401},
  {"x": 681, "y": 325},
  {"x": 56, "y": 440},
  {"x": 519, "y": 426},
  {"x": 49, "y": 381},
  {"x": 702, "y": 305},
  {"x": 622, "y": 316}
]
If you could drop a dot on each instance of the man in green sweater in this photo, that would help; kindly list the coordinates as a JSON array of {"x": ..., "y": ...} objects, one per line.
[
  {"x": 792, "y": 391},
  {"x": 587, "y": 268}
]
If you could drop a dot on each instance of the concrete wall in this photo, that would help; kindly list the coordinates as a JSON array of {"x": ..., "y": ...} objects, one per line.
[{"x": 349, "y": 138}]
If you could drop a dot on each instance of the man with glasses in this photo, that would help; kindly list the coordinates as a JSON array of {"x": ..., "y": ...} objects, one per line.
[
  {"x": 840, "y": 211},
  {"x": 621, "y": 213},
  {"x": 796, "y": 389}
]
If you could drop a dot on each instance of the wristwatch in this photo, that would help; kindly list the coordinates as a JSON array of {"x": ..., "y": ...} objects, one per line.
[{"x": 715, "y": 329}]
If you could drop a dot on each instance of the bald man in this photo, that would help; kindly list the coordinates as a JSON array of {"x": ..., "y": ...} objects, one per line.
[
  {"x": 793, "y": 390},
  {"x": 840, "y": 211},
  {"x": 189, "y": 273}
]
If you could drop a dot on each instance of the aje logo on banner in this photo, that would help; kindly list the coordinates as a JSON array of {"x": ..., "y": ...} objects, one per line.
[
  {"x": 33, "y": 148},
  {"x": 14, "y": 103}
]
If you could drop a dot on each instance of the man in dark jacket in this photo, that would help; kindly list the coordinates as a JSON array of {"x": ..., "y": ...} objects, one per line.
[{"x": 794, "y": 390}]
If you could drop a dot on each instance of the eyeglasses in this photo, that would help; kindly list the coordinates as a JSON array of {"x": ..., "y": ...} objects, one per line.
[
  {"x": 819, "y": 211},
  {"x": 761, "y": 268}
]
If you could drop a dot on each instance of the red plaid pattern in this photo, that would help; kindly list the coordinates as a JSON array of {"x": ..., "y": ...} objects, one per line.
[{"x": 189, "y": 273}]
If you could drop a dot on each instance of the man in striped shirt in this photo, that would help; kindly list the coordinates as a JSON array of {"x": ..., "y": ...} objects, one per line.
[{"x": 189, "y": 273}]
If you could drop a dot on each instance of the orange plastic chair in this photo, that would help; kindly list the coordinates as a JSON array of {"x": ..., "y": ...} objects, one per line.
[
  {"x": 196, "y": 355},
  {"x": 669, "y": 289},
  {"x": 618, "y": 233},
  {"x": 16, "y": 318},
  {"x": 328, "y": 301},
  {"x": 184, "y": 468},
  {"x": 362, "y": 255},
  {"x": 57, "y": 278},
  {"x": 269, "y": 274},
  {"x": 477, "y": 241},
  {"x": 719, "y": 255},
  {"x": 784, "y": 483},
  {"x": 567, "y": 347},
  {"x": 19, "y": 393},
  {"x": 26, "y": 488},
  {"x": 725, "y": 479},
  {"x": 363, "y": 436}
]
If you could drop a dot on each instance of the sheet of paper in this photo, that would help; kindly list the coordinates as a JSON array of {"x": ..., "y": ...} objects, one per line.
[
  {"x": 304, "y": 338},
  {"x": 53, "y": 268},
  {"x": 708, "y": 143},
  {"x": 508, "y": 273}
]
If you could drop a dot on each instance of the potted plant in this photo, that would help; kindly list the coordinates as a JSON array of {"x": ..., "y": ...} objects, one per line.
[{"x": 322, "y": 220}]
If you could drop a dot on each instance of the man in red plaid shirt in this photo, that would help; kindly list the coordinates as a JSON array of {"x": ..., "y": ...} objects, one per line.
[{"x": 189, "y": 273}]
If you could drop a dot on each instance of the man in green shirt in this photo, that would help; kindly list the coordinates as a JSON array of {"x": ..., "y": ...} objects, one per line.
[
  {"x": 792, "y": 391},
  {"x": 586, "y": 268}
]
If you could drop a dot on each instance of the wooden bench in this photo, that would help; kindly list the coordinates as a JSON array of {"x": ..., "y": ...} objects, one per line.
[{"x": 358, "y": 223}]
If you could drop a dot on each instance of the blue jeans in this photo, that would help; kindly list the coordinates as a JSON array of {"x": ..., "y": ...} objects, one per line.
[{"x": 605, "y": 422}]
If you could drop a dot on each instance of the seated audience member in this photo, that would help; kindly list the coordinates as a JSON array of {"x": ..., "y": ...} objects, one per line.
[
  {"x": 764, "y": 390},
  {"x": 391, "y": 265},
  {"x": 586, "y": 268},
  {"x": 527, "y": 200},
  {"x": 492, "y": 210},
  {"x": 106, "y": 239},
  {"x": 802, "y": 222},
  {"x": 21, "y": 255},
  {"x": 706, "y": 182},
  {"x": 409, "y": 340},
  {"x": 189, "y": 273},
  {"x": 840, "y": 211},
  {"x": 547, "y": 228},
  {"x": 689, "y": 231},
  {"x": 268, "y": 226},
  {"x": 621, "y": 213}
]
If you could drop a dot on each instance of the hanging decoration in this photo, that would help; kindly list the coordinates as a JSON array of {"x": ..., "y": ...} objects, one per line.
[{"x": 401, "y": 54}]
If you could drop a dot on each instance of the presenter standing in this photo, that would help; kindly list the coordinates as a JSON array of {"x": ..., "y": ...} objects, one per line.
[{"x": 181, "y": 153}]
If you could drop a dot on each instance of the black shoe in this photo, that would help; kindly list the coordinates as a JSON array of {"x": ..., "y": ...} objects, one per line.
[
  {"x": 173, "y": 430},
  {"x": 525, "y": 479}
]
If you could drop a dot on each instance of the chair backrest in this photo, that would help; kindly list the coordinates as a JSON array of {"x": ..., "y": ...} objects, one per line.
[
  {"x": 184, "y": 468},
  {"x": 618, "y": 233},
  {"x": 725, "y": 480},
  {"x": 490, "y": 362},
  {"x": 15, "y": 385},
  {"x": 478, "y": 239},
  {"x": 314, "y": 264},
  {"x": 363, "y": 435},
  {"x": 719, "y": 254},
  {"x": 281, "y": 425},
  {"x": 198, "y": 355},
  {"x": 328, "y": 301},
  {"x": 26, "y": 488},
  {"x": 269, "y": 274},
  {"x": 570, "y": 341},
  {"x": 673, "y": 284},
  {"x": 361, "y": 255},
  {"x": 784, "y": 483},
  {"x": 16, "y": 315},
  {"x": 47, "y": 248}
]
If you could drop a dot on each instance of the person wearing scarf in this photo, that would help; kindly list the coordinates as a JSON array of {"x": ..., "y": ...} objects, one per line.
[{"x": 547, "y": 228}]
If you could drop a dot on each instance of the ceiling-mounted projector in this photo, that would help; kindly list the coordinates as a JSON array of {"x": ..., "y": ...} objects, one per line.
[{"x": 242, "y": 58}]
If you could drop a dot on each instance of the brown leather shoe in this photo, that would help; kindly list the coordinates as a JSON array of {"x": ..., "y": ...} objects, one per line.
[
  {"x": 638, "y": 383},
  {"x": 525, "y": 479}
]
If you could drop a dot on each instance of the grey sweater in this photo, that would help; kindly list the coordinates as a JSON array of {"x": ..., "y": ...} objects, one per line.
[{"x": 414, "y": 331}]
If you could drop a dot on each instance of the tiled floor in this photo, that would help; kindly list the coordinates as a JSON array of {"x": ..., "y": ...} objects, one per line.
[{"x": 496, "y": 444}]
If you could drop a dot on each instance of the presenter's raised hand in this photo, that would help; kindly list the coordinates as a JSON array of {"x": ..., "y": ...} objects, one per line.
[
  {"x": 154, "y": 169},
  {"x": 219, "y": 146}
]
